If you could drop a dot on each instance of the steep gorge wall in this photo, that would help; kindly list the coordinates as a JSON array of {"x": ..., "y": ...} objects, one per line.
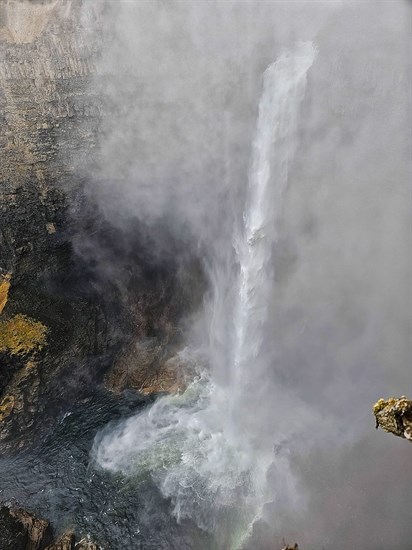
[
  {"x": 55, "y": 246},
  {"x": 49, "y": 120}
]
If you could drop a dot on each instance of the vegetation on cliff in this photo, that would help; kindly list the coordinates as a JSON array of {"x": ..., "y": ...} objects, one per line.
[{"x": 21, "y": 335}]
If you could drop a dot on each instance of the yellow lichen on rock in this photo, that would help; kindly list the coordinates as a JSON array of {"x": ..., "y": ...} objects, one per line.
[
  {"x": 394, "y": 415},
  {"x": 4, "y": 290},
  {"x": 21, "y": 335},
  {"x": 6, "y": 406}
]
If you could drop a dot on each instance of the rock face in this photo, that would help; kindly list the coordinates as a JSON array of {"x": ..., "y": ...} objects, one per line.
[
  {"x": 13, "y": 534},
  {"x": 68, "y": 542},
  {"x": 21, "y": 530},
  {"x": 82, "y": 303},
  {"x": 78, "y": 297},
  {"x": 46, "y": 108},
  {"x": 38, "y": 530},
  {"x": 394, "y": 415}
]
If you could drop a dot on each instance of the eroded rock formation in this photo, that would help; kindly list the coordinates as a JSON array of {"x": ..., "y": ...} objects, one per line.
[
  {"x": 21, "y": 530},
  {"x": 394, "y": 415}
]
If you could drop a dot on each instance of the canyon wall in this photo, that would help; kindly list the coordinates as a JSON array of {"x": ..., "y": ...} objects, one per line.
[
  {"x": 53, "y": 240},
  {"x": 49, "y": 120}
]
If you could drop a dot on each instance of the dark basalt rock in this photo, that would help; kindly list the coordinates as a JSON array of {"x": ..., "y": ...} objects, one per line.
[
  {"x": 20, "y": 530},
  {"x": 13, "y": 535}
]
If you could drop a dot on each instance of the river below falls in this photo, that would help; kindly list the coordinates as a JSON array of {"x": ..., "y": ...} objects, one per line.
[{"x": 57, "y": 480}]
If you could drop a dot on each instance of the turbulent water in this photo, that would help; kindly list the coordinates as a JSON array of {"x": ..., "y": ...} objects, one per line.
[
  {"x": 204, "y": 449},
  {"x": 54, "y": 480}
]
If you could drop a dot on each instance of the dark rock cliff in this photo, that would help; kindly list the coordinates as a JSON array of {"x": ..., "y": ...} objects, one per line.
[
  {"x": 55, "y": 246},
  {"x": 49, "y": 118}
]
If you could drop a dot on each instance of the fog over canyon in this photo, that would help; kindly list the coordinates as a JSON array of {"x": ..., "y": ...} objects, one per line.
[{"x": 205, "y": 273}]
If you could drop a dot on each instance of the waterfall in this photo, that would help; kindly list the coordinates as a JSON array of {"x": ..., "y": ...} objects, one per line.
[
  {"x": 198, "y": 447},
  {"x": 274, "y": 147}
]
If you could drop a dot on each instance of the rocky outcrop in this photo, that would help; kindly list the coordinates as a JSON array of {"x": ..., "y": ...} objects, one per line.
[
  {"x": 21, "y": 530},
  {"x": 13, "y": 535},
  {"x": 68, "y": 542},
  {"x": 65, "y": 542},
  {"x": 150, "y": 366},
  {"x": 394, "y": 415},
  {"x": 38, "y": 531}
]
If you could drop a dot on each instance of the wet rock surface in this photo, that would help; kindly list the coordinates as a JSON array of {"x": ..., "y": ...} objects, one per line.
[
  {"x": 13, "y": 534},
  {"x": 23, "y": 530},
  {"x": 68, "y": 542},
  {"x": 38, "y": 530}
]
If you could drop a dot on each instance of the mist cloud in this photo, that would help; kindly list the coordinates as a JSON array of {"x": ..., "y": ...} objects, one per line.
[{"x": 182, "y": 84}]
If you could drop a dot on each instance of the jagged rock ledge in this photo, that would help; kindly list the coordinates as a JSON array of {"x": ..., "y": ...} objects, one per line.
[
  {"x": 21, "y": 530},
  {"x": 394, "y": 415}
]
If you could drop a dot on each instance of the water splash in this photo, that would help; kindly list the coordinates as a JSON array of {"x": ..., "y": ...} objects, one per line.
[{"x": 201, "y": 448}]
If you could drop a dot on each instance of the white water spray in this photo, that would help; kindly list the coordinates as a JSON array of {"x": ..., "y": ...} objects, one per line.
[{"x": 201, "y": 447}]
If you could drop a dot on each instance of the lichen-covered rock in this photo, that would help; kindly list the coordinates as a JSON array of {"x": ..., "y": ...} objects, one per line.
[
  {"x": 49, "y": 116},
  {"x": 394, "y": 415},
  {"x": 21, "y": 335}
]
